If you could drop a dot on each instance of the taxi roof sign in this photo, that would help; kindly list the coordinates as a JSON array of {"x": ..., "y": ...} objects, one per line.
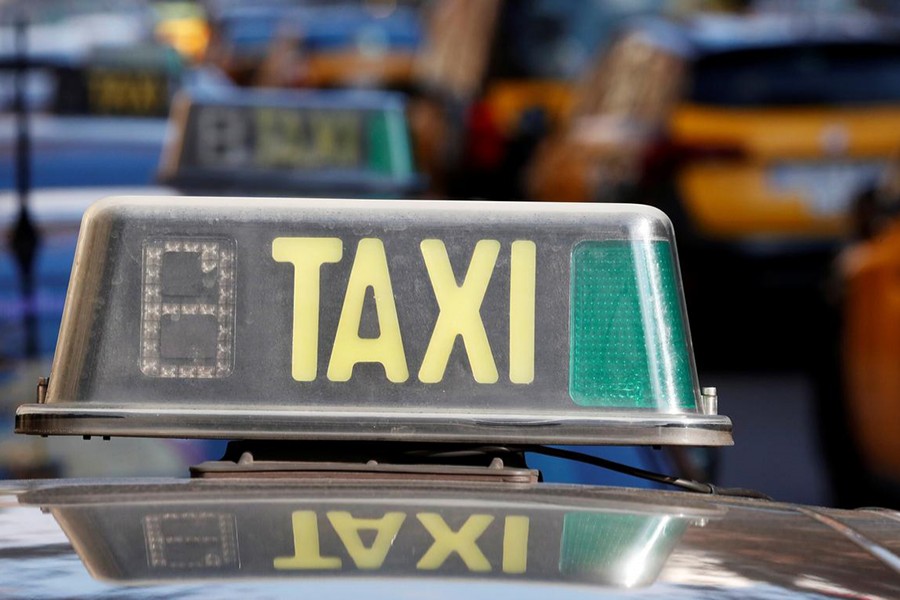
[
  {"x": 125, "y": 82},
  {"x": 379, "y": 320},
  {"x": 288, "y": 142}
]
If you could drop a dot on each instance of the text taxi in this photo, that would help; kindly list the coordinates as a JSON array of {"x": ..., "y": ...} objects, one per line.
[
  {"x": 382, "y": 367},
  {"x": 285, "y": 143},
  {"x": 459, "y": 310}
]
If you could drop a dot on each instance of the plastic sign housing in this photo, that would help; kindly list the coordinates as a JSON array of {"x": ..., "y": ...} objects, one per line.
[
  {"x": 134, "y": 82},
  {"x": 368, "y": 319},
  {"x": 288, "y": 143}
]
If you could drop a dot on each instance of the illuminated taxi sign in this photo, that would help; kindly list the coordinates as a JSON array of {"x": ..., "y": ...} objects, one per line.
[
  {"x": 135, "y": 82},
  {"x": 282, "y": 142},
  {"x": 345, "y": 319}
]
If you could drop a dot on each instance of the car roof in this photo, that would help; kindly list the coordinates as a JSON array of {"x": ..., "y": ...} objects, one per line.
[{"x": 59, "y": 539}]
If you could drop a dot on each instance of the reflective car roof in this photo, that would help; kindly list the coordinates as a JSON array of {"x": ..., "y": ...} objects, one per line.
[{"x": 190, "y": 538}]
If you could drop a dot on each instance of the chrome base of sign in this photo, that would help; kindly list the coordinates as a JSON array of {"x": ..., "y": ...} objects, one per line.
[{"x": 611, "y": 428}]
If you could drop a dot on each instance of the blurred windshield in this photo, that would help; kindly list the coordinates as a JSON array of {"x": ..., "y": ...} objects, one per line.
[
  {"x": 834, "y": 74},
  {"x": 557, "y": 39}
]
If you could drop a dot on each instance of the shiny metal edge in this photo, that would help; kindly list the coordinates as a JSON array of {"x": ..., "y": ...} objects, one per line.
[
  {"x": 888, "y": 557},
  {"x": 608, "y": 429}
]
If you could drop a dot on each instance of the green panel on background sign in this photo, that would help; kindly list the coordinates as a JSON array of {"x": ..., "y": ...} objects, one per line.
[
  {"x": 628, "y": 337},
  {"x": 389, "y": 151},
  {"x": 379, "y": 144}
]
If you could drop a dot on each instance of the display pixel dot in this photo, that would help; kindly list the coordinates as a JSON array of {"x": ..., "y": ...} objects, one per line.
[{"x": 187, "y": 316}]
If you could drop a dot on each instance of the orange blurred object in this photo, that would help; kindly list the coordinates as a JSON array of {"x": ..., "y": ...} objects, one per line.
[
  {"x": 871, "y": 351},
  {"x": 189, "y": 36}
]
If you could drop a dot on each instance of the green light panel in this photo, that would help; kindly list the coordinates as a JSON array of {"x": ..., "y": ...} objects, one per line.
[
  {"x": 628, "y": 338},
  {"x": 388, "y": 143}
]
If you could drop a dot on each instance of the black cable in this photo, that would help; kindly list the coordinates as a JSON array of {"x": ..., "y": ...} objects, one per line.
[
  {"x": 685, "y": 484},
  {"x": 455, "y": 452}
]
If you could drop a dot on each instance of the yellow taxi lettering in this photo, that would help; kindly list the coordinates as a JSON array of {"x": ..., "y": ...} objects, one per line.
[
  {"x": 336, "y": 137},
  {"x": 463, "y": 542},
  {"x": 143, "y": 96},
  {"x": 103, "y": 94},
  {"x": 370, "y": 270},
  {"x": 522, "y": 285},
  {"x": 459, "y": 311},
  {"x": 348, "y": 527},
  {"x": 307, "y": 255},
  {"x": 515, "y": 544},
  {"x": 123, "y": 93},
  {"x": 279, "y": 138},
  {"x": 306, "y": 546}
]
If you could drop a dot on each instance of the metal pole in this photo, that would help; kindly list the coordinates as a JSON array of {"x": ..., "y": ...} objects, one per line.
[{"x": 24, "y": 237}]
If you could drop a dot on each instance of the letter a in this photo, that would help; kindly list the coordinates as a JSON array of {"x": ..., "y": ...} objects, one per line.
[
  {"x": 348, "y": 527},
  {"x": 370, "y": 269}
]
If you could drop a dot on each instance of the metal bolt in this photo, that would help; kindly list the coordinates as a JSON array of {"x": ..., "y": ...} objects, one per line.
[
  {"x": 709, "y": 401},
  {"x": 43, "y": 382}
]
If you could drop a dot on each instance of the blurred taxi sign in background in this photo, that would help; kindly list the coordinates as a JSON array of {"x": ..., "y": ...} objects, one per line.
[
  {"x": 136, "y": 81},
  {"x": 73, "y": 49},
  {"x": 343, "y": 319},
  {"x": 326, "y": 143}
]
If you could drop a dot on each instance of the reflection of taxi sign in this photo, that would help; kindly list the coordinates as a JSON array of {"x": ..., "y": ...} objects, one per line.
[
  {"x": 224, "y": 532},
  {"x": 343, "y": 319},
  {"x": 273, "y": 143}
]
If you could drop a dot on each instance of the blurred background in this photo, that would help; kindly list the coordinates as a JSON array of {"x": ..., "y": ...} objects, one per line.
[{"x": 769, "y": 132}]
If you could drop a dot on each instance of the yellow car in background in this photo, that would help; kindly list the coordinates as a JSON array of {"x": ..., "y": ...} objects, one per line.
[
  {"x": 754, "y": 134},
  {"x": 495, "y": 77}
]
